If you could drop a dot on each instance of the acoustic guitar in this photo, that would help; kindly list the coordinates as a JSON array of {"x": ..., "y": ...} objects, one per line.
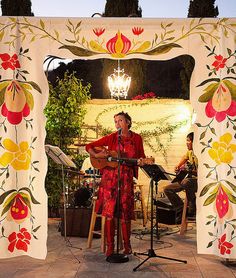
[
  {"x": 112, "y": 160},
  {"x": 188, "y": 171}
]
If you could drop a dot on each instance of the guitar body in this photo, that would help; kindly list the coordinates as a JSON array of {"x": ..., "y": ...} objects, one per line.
[
  {"x": 100, "y": 163},
  {"x": 182, "y": 174}
]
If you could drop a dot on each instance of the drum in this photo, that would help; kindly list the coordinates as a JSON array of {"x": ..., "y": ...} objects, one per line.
[
  {"x": 83, "y": 197},
  {"x": 91, "y": 183}
]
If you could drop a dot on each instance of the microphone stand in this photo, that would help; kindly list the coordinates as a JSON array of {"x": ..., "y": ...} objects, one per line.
[{"x": 117, "y": 257}]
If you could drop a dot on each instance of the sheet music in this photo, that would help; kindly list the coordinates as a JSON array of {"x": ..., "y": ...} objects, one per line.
[{"x": 58, "y": 156}]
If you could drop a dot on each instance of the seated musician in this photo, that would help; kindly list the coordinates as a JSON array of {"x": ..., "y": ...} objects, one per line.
[
  {"x": 86, "y": 165},
  {"x": 187, "y": 163},
  {"x": 131, "y": 146}
]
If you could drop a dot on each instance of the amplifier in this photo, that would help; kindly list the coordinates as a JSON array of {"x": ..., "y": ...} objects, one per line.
[
  {"x": 78, "y": 222},
  {"x": 166, "y": 214}
]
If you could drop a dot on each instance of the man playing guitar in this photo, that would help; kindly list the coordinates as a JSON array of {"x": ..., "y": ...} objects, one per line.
[{"x": 186, "y": 179}]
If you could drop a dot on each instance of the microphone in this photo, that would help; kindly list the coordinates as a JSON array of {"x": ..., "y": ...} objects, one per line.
[
  {"x": 110, "y": 159},
  {"x": 119, "y": 130}
]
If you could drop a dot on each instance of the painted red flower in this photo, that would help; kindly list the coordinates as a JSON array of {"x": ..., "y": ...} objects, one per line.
[
  {"x": 19, "y": 209},
  {"x": 222, "y": 203},
  {"x": 219, "y": 62},
  {"x": 224, "y": 246},
  {"x": 98, "y": 31},
  {"x": 119, "y": 45},
  {"x": 15, "y": 105},
  {"x": 9, "y": 62},
  {"x": 19, "y": 240},
  {"x": 137, "y": 31}
]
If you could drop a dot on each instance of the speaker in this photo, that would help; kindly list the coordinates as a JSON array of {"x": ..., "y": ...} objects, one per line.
[
  {"x": 166, "y": 214},
  {"x": 78, "y": 222}
]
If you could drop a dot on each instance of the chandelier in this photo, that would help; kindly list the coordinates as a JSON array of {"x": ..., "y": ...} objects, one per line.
[{"x": 119, "y": 83}]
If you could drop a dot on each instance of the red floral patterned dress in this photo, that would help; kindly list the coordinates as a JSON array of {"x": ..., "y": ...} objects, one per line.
[{"x": 130, "y": 147}]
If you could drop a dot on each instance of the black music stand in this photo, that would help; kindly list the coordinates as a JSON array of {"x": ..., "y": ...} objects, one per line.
[
  {"x": 155, "y": 174},
  {"x": 60, "y": 158}
]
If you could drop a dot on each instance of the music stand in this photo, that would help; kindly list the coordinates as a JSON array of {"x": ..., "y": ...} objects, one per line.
[
  {"x": 155, "y": 174},
  {"x": 60, "y": 158}
]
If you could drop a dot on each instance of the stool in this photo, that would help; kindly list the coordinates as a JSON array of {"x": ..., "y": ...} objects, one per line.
[
  {"x": 101, "y": 232},
  {"x": 185, "y": 220},
  {"x": 143, "y": 206}
]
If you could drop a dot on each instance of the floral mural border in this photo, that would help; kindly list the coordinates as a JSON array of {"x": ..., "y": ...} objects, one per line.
[{"x": 21, "y": 164}]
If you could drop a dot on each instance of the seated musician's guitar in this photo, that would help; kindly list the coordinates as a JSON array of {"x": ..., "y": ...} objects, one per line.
[
  {"x": 112, "y": 160},
  {"x": 186, "y": 172}
]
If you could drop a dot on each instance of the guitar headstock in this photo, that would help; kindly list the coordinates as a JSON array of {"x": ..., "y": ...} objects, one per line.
[{"x": 147, "y": 160}]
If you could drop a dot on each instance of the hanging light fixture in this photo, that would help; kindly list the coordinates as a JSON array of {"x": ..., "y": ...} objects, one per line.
[{"x": 119, "y": 83}]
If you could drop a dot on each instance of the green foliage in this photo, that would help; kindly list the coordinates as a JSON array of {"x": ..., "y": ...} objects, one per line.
[
  {"x": 65, "y": 110},
  {"x": 53, "y": 184},
  {"x": 121, "y": 8},
  {"x": 16, "y": 8},
  {"x": 65, "y": 113},
  {"x": 202, "y": 8}
]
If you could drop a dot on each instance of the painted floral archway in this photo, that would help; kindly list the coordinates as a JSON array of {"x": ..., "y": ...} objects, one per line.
[{"x": 25, "y": 42}]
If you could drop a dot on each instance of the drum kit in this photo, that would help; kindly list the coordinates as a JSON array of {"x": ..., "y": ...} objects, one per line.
[{"x": 85, "y": 190}]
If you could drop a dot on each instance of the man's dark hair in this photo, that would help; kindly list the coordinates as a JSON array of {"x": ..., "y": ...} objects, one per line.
[
  {"x": 127, "y": 117},
  {"x": 190, "y": 136}
]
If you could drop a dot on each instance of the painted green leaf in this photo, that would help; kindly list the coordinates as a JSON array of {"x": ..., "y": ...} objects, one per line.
[
  {"x": 162, "y": 49},
  {"x": 2, "y": 35},
  {"x": 210, "y": 216},
  {"x": 206, "y": 188},
  {"x": 2, "y": 96},
  {"x": 143, "y": 47},
  {"x": 29, "y": 99},
  {"x": 42, "y": 23},
  {"x": 233, "y": 187},
  {"x": 210, "y": 200},
  {"x": 35, "y": 86},
  {"x": 9, "y": 199},
  {"x": 208, "y": 80},
  {"x": 71, "y": 41},
  {"x": 13, "y": 19},
  {"x": 209, "y": 244},
  {"x": 36, "y": 229},
  {"x": 231, "y": 87},
  {"x": 232, "y": 198},
  {"x": 5, "y": 194},
  {"x": 34, "y": 201},
  {"x": 6, "y": 209},
  {"x": 96, "y": 46},
  {"x": 202, "y": 135},
  {"x": 210, "y": 90},
  {"x": 78, "y": 51},
  {"x": 3, "y": 86}
]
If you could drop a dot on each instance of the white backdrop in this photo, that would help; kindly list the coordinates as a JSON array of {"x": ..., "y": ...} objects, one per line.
[{"x": 25, "y": 42}]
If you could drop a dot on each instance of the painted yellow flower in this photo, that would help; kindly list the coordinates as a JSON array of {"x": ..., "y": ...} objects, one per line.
[
  {"x": 18, "y": 156},
  {"x": 222, "y": 151}
]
